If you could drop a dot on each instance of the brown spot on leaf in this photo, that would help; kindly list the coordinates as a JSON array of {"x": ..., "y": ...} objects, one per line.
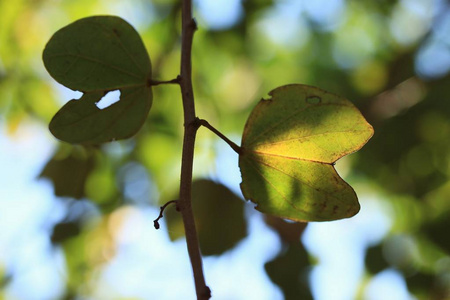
[{"x": 335, "y": 208}]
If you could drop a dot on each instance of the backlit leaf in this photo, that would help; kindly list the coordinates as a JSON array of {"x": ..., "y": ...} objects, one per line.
[
  {"x": 97, "y": 55},
  {"x": 289, "y": 147}
]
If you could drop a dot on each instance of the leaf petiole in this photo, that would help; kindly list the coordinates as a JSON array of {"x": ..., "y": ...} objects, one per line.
[
  {"x": 205, "y": 123},
  {"x": 153, "y": 82}
]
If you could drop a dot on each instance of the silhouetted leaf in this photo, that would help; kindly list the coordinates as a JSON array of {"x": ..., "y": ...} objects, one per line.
[
  {"x": 422, "y": 283},
  {"x": 65, "y": 230},
  {"x": 289, "y": 270},
  {"x": 437, "y": 231},
  {"x": 97, "y": 55},
  {"x": 290, "y": 144},
  {"x": 375, "y": 261},
  {"x": 289, "y": 232},
  {"x": 219, "y": 216},
  {"x": 69, "y": 173}
]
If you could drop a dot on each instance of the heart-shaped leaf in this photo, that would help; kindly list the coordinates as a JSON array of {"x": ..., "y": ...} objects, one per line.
[
  {"x": 96, "y": 55},
  {"x": 289, "y": 147}
]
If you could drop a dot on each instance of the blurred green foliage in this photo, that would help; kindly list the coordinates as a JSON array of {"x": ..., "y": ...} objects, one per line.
[{"x": 372, "y": 52}]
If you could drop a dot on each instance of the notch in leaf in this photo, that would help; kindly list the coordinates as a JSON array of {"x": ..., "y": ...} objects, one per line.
[
  {"x": 97, "y": 55},
  {"x": 289, "y": 147}
]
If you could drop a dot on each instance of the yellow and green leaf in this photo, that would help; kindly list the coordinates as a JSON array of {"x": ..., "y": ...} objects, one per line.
[{"x": 289, "y": 147}]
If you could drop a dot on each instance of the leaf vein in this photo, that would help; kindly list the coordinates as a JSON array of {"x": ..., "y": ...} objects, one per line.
[
  {"x": 291, "y": 157},
  {"x": 282, "y": 121},
  {"x": 309, "y": 136},
  {"x": 78, "y": 56}
]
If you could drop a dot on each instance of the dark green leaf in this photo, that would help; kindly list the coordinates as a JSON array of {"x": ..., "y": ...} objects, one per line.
[
  {"x": 69, "y": 172},
  {"x": 289, "y": 270},
  {"x": 375, "y": 261},
  {"x": 437, "y": 232},
  {"x": 81, "y": 121},
  {"x": 96, "y": 55},
  {"x": 65, "y": 230},
  {"x": 219, "y": 216}
]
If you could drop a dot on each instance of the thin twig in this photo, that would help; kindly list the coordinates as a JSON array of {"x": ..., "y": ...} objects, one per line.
[
  {"x": 206, "y": 124},
  {"x": 155, "y": 222}
]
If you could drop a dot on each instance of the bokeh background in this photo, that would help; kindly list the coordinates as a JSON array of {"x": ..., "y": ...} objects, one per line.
[{"x": 77, "y": 223}]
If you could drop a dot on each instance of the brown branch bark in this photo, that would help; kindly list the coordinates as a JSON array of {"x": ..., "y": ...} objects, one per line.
[{"x": 190, "y": 130}]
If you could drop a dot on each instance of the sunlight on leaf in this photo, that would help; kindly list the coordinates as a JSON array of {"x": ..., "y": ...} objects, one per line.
[
  {"x": 97, "y": 55},
  {"x": 290, "y": 144}
]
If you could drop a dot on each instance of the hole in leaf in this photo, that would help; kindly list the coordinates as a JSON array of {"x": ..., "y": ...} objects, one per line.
[
  {"x": 109, "y": 99},
  {"x": 313, "y": 100}
]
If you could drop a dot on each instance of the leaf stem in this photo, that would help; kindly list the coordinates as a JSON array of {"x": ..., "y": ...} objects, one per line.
[
  {"x": 206, "y": 124},
  {"x": 153, "y": 82},
  {"x": 188, "y": 27}
]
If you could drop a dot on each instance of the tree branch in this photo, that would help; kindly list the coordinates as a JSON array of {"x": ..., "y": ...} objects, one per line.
[{"x": 190, "y": 130}]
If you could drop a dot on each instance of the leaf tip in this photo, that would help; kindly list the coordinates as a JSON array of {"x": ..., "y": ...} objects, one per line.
[{"x": 354, "y": 209}]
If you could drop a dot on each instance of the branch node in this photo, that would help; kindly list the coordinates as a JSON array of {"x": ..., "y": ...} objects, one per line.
[
  {"x": 193, "y": 24},
  {"x": 207, "y": 292},
  {"x": 155, "y": 222},
  {"x": 197, "y": 122}
]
